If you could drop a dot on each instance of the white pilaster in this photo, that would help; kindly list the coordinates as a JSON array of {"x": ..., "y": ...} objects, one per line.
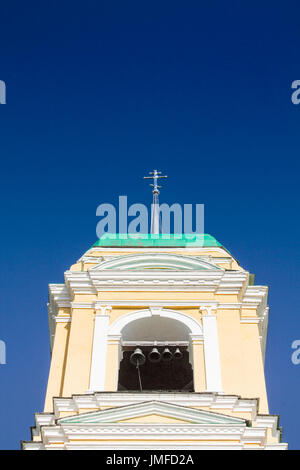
[
  {"x": 98, "y": 366},
  {"x": 211, "y": 351}
]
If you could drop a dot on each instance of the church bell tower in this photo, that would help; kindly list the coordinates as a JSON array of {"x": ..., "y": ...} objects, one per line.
[{"x": 157, "y": 342}]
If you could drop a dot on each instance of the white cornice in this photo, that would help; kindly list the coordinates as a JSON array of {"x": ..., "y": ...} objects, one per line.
[
  {"x": 118, "y": 406},
  {"x": 269, "y": 422},
  {"x": 158, "y": 250},
  {"x": 112, "y": 399},
  {"x": 140, "y": 434},
  {"x": 134, "y": 410},
  {"x": 206, "y": 281}
]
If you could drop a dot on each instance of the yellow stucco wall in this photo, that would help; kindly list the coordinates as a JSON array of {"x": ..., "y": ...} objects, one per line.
[
  {"x": 241, "y": 360},
  {"x": 79, "y": 354},
  {"x": 58, "y": 364},
  {"x": 253, "y": 377}
]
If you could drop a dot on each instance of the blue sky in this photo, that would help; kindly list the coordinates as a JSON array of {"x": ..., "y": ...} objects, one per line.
[{"x": 98, "y": 94}]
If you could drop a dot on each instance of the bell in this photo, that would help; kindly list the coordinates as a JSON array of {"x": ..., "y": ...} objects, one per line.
[
  {"x": 137, "y": 357},
  {"x": 167, "y": 355},
  {"x": 177, "y": 354},
  {"x": 154, "y": 355}
]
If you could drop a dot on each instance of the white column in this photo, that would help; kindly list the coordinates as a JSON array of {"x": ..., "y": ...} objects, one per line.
[
  {"x": 98, "y": 366},
  {"x": 211, "y": 352}
]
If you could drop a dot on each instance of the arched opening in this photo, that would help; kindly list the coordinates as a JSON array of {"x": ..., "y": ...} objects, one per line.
[{"x": 162, "y": 360}]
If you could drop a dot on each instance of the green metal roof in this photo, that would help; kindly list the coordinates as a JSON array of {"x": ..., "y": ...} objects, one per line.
[{"x": 161, "y": 240}]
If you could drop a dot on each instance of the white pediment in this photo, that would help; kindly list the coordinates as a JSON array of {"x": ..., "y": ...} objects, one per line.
[
  {"x": 164, "y": 411},
  {"x": 156, "y": 261}
]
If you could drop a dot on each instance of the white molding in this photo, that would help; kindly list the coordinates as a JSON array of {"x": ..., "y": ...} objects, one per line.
[
  {"x": 156, "y": 343},
  {"x": 141, "y": 261},
  {"x": 62, "y": 319},
  {"x": 193, "y": 325},
  {"x": 96, "y": 304},
  {"x": 250, "y": 320},
  {"x": 114, "y": 338},
  {"x": 85, "y": 305}
]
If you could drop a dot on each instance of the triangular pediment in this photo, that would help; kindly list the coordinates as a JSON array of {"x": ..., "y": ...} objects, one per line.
[
  {"x": 154, "y": 418},
  {"x": 154, "y": 412},
  {"x": 156, "y": 261}
]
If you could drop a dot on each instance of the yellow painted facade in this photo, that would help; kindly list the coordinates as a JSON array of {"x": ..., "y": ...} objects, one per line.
[{"x": 224, "y": 324}]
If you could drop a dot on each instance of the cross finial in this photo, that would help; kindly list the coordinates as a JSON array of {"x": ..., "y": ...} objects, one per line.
[
  {"x": 155, "y": 213},
  {"x": 155, "y": 175}
]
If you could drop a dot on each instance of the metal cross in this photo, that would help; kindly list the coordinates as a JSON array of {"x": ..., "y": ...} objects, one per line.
[{"x": 155, "y": 175}]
